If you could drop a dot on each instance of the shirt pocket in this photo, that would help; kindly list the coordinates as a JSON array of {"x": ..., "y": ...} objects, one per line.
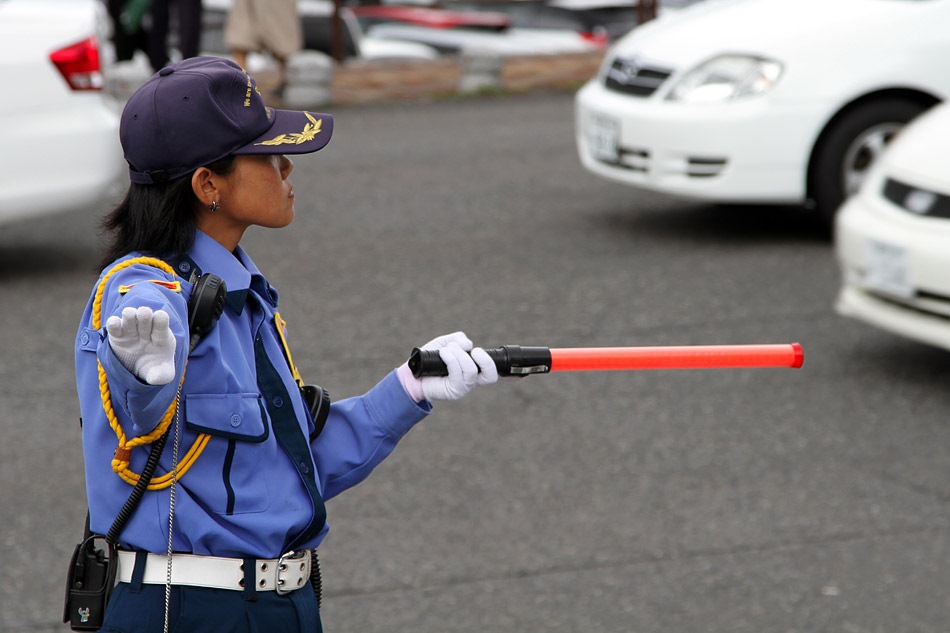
[
  {"x": 236, "y": 416},
  {"x": 234, "y": 473}
]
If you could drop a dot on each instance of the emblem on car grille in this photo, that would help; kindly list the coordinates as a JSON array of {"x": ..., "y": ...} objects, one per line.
[
  {"x": 624, "y": 71},
  {"x": 631, "y": 75}
]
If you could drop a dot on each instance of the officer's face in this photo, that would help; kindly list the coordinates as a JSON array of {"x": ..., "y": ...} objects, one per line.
[{"x": 259, "y": 191}]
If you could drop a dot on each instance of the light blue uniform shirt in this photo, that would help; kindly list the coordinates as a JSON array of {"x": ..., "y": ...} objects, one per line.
[{"x": 250, "y": 493}]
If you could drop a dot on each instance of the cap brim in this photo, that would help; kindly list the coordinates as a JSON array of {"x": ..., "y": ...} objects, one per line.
[{"x": 293, "y": 132}]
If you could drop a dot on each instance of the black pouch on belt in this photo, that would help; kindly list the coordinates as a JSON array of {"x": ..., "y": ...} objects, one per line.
[{"x": 89, "y": 583}]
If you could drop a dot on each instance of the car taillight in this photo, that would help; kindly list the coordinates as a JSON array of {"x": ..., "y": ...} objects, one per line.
[
  {"x": 598, "y": 37},
  {"x": 79, "y": 65}
]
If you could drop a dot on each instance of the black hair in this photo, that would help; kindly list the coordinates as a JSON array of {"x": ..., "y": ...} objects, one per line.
[{"x": 157, "y": 220}]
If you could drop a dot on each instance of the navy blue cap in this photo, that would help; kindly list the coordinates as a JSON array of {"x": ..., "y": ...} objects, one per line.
[{"x": 202, "y": 109}]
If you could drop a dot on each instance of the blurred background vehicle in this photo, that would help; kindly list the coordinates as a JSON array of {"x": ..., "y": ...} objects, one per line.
[
  {"x": 371, "y": 15},
  {"x": 893, "y": 238},
  {"x": 59, "y": 144},
  {"x": 762, "y": 101},
  {"x": 596, "y": 20},
  {"x": 317, "y": 19},
  {"x": 512, "y": 41},
  {"x": 510, "y": 27}
]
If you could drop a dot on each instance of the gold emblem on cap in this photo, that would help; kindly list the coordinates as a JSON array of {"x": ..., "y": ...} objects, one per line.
[{"x": 310, "y": 132}]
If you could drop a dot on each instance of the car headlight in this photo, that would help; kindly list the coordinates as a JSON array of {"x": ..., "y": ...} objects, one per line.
[{"x": 726, "y": 78}]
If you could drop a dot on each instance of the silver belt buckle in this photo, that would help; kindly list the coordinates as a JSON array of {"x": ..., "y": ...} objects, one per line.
[{"x": 293, "y": 570}]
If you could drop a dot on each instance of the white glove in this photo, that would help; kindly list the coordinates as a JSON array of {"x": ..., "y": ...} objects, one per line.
[
  {"x": 143, "y": 342},
  {"x": 468, "y": 366}
]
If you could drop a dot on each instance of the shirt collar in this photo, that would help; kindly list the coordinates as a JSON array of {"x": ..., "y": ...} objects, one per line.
[
  {"x": 212, "y": 257},
  {"x": 238, "y": 270}
]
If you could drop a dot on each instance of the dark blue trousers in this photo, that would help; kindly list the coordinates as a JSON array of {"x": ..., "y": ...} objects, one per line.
[{"x": 141, "y": 609}]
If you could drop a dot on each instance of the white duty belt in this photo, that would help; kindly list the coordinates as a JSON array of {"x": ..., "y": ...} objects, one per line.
[{"x": 283, "y": 575}]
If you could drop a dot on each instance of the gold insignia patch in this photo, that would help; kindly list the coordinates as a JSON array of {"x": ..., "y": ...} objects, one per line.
[
  {"x": 171, "y": 285},
  {"x": 310, "y": 131}
]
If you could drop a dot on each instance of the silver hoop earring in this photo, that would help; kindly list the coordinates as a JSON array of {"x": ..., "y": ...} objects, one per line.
[{"x": 214, "y": 206}]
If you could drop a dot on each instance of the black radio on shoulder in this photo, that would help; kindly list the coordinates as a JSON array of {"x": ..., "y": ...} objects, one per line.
[{"x": 318, "y": 401}]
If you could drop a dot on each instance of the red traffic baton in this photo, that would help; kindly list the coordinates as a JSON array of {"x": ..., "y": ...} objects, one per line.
[{"x": 515, "y": 360}]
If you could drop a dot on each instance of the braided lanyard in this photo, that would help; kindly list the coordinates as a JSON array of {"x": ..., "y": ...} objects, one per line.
[
  {"x": 281, "y": 333},
  {"x": 123, "y": 452}
]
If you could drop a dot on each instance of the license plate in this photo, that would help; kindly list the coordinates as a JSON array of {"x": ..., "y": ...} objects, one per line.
[
  {"x": 887, "y": 268},
  {"x": 603, "y": 137}
]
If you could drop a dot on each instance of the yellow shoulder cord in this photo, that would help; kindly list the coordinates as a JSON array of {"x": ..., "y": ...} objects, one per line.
[
  {"x": 281, "y": 326},
  {"x": 123, "y": 453},
  {"x": 316, "y": 398}
]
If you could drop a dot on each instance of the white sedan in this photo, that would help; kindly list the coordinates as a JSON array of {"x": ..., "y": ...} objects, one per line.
[
  {"x": 893, "y": 238},
  {"x": 763, "y": 101},
  {"x": 59, "y": 142}
]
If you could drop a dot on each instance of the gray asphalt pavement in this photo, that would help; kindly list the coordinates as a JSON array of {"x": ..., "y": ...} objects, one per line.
[{"x": 690, "y": 501}]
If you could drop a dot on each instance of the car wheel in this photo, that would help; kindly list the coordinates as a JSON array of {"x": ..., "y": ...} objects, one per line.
[{"x": 846, "y": 150}]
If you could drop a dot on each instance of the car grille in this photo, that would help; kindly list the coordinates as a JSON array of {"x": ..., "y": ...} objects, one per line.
[
  {"x": 928, "y": 303},
  {"x": 921, "y": 202},
  {"x": 639, "y": 159},
  {"x": 704, "y": 167},
  {"x": 629, "y": 158},
  {"x": 630, "y": 76}
]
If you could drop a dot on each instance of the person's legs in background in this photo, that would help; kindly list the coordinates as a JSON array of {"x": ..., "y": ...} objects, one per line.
[
  {"x": 239, "y": 32},
  {"x": 189, "y": 27},
  {"x": 125, "y": 43},
  {"x": 158, "y": 42}
]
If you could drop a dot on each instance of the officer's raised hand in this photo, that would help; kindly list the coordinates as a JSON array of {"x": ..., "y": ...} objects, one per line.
[{"x": 143, "y": 342}]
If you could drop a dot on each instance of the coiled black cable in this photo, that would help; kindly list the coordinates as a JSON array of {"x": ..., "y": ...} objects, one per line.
[{"x": 141, "y": 485}]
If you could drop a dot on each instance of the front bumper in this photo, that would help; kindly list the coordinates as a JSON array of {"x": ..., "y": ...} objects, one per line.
[
  {"x": 918, "y": 307},
  {"x": 755, "y": 150}
]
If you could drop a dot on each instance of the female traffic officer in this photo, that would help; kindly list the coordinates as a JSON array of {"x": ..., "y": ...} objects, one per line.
[{"x": 237, "y": 500}]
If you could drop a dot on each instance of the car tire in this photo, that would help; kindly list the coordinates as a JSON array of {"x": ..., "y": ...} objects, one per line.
[{"x": 846, "y": 149}]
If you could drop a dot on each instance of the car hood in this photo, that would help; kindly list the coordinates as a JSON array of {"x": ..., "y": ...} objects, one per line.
[{"x": 767, "y": 27}]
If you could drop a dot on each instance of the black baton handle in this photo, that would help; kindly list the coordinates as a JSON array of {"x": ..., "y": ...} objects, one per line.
[{"x": 511, "y": 360}]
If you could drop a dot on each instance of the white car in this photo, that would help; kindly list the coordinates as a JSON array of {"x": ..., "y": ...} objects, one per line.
[
  {"x": 763, "y": 101},
  {"x": 59, "y": 141},
  {"x": 893, "y": 238}
]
